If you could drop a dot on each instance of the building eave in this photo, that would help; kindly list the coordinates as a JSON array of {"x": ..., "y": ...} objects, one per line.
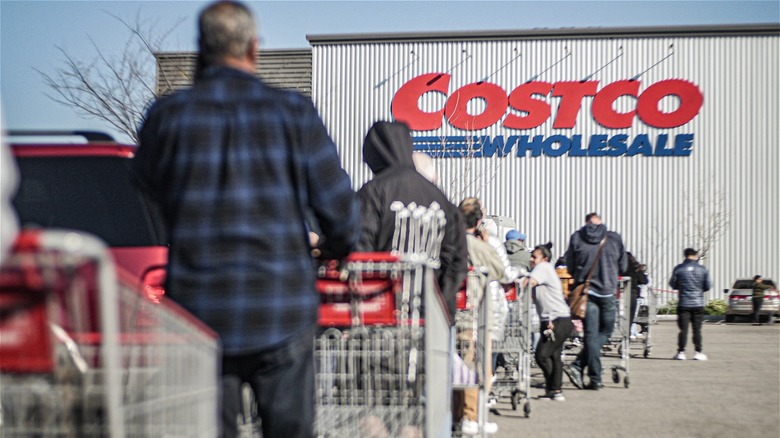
[{"x": 764, "y": 29}]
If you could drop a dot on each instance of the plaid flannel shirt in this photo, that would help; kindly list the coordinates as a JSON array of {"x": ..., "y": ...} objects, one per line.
[{"x": 235, "y": 165}]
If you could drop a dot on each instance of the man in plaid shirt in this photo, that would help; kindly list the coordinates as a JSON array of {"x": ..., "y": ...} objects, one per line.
[{"x": 235, "y": 165}]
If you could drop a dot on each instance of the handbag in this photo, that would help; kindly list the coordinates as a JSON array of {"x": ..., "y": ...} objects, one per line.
[{"x": 578, "y": 299}]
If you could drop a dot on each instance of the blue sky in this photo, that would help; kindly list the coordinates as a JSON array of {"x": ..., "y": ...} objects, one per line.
[{"x": 30, "y": 31}]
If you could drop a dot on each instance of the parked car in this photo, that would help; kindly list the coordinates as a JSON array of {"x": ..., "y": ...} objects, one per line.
[
  {"x": 741, "y": 300},
  {"x": 87, "y": 187}
]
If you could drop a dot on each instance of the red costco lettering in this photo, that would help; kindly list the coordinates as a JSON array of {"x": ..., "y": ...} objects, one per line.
[
  {"x": 495, "y": 106},
  {"x": 571, "y": 94},
  {"x": 525, "y": 107},
  {"x": 537, "y": 110},
  {"x": 406, "y": 109},
  {"x": 603, "y": 104},
  {"x": 690, "y": 97}
]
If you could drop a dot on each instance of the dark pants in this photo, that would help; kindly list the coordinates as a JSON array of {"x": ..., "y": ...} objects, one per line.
[
  {"x": 757, "y": 303},
  {"x": 548, "y": 352},
  {"x": 599, "y": 323},
  {"x": 282, "y": 380},
  {"x": 693, "y": 316}
]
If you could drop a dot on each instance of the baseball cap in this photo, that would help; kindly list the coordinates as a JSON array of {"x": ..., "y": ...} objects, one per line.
[
  {"x": 514, "y": 235},
  {"x": 690, "y": 252}
]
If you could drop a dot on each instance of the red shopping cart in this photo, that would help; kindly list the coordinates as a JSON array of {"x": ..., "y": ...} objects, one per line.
[{"x": 84, "y": 353}]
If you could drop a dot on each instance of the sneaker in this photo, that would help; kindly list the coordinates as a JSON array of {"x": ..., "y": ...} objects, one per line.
[
  {"x": 680, "y": 355},
  {"x": 558, "y": 396},
  {"x": 700, "y": 356},
  {"x": 547, "y": 396},
  {"x": 492, "y": 402},
  {"x": 468, "y": 427},
  {"x": 594, "y": 386},
  {"x": 575, "y": 375}
]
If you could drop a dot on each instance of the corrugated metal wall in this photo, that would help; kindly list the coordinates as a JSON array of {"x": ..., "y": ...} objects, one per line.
[
  {"x": 288, "y": 69},
  {"x": 658, "y": 204}
]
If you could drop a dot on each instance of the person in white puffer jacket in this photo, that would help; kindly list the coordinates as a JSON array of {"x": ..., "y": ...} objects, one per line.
[{"x": 499, "y": 305}]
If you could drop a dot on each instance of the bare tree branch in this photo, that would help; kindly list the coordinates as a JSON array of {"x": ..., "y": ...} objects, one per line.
[
  {"x": 713, "y": 221},
  {"x": 115, "y": 88}
]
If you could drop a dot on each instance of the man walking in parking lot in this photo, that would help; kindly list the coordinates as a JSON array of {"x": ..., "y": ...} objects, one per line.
[
  {"x": 691, "y": 280},
  {"x": 235, "y": 165}
]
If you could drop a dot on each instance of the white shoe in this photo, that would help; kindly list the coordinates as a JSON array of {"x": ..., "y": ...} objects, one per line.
[
  {"x": 680, "y": 356},
  {"x": 468, "y": 427},
  {"x": 492, "y": 402},
  {"x": 700, "y": 356}
]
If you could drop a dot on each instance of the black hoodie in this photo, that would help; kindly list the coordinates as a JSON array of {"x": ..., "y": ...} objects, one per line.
[
  {"x": 387, "y": 150},
  {"x": 583, "y": 245}
]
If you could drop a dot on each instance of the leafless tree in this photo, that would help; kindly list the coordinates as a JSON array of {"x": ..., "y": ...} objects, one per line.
[
  {"x": 712, "y": 220},
  {"x": 706, "y": 221},
  {"x": 117, "y": 87},
  {"x": 476, "y": 173}
]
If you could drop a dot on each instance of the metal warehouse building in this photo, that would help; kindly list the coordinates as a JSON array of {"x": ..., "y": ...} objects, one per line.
[{"x": 671, "y": 134}]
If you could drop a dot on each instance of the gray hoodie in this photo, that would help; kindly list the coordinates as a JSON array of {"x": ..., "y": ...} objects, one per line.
[{"x": 518, "y": 254}]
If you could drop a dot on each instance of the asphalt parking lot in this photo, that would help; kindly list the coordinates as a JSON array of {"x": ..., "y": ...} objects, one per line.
[{"x": 735, "y": 393}]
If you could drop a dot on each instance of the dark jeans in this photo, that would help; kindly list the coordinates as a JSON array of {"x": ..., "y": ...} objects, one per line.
[
  {"x": 283, "y": 383},
  {"x": 548, "y": 352},
  {"x": 695, "y": 317},
  {"x": 757, "y": 303},
  {"x": 598, "y": 324}
]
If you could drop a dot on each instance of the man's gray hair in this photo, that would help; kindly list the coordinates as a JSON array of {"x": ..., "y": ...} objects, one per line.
[
  {"x": 424, "y": 165},
  {"x": 226, "y": 29}
]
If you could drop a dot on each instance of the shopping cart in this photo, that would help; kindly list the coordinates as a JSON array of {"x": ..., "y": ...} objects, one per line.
[
  {"x": 374, "y": 347},
  {"x": 516, "y": 349},
  {"x": 383, "y": 323},
  {"x": 646, "y": 316},
  {"x": 471, "y": 340},
  {"x": 618, "y": 347},
  {"x": 84, "y": 352}
]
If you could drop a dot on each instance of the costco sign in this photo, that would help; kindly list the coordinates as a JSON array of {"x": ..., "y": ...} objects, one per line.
[{"x": 528, "y": 106}]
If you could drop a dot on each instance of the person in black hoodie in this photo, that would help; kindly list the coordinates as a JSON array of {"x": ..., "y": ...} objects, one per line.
[
  {"x": 638, "y": 274},
  {"x": 387, "y": 150},
  {"x": 600, "y": 315}
]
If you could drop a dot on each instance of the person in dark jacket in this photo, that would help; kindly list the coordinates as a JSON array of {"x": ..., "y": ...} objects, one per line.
[
  {"x": 691, "y": 280},
  {"x": 638, "y": 274},
  {"x": 759, "y": 288},
  {"x": 600, "y": 315},
  {"x": 518, "y": 254},
  {"x": 387, "y": 149}
]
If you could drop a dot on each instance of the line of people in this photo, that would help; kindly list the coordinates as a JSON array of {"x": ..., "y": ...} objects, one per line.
[{"x": 242, "y": 172}]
